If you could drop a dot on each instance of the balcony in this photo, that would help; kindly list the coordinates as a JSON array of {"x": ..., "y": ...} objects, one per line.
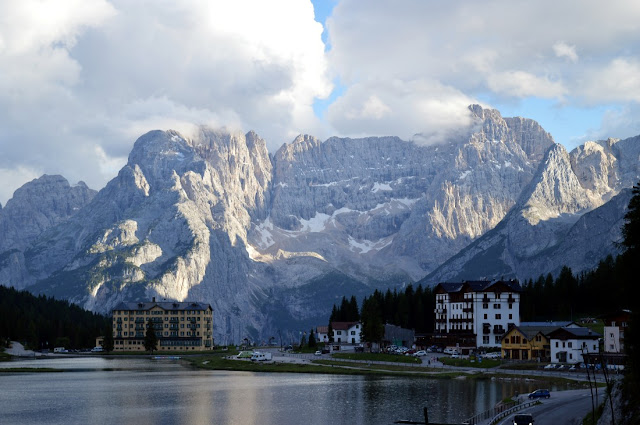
[
  {"x": 511, "y": 300},
  {"x": 498, "y": 331},
  {"x": 467, "y": 310}
]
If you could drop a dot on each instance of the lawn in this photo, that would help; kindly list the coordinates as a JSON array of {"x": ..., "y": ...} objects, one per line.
[
  {"x": 377, "y": 357},
  {"x": 464, "y": 362}
]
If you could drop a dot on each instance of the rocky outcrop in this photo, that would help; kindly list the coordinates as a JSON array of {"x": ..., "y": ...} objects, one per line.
[
  {"x": 570, "y": 214},
  {"x": 34, "y": 208}
]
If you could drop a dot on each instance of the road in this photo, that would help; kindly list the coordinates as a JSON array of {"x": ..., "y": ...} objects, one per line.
[{"x": 563, "y": 408}]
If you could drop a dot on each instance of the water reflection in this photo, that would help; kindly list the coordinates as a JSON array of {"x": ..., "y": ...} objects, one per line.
[{"x": 142, "y": 391}]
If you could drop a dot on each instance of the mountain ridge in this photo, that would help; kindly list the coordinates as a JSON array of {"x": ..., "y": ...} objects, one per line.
[{"x": 218, "y": 219}]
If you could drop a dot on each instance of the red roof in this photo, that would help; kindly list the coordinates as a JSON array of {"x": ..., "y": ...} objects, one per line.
[{"x": 342, "y": 326}]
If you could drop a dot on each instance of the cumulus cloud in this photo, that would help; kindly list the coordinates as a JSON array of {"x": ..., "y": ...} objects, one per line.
[
  {"x": 563, "y": 50},
  {"x": 401, "y": 108},
  {"x": 82, "y": 79},
  {"x": 499, "y": 50},
  {"x": 617, "y": 81}
]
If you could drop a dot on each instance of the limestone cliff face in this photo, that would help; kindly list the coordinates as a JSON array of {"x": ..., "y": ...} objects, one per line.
[
  {"x": 35, "y": 207},
  {"x": 383, "y": 206},
  {"x": 570, "y": 214},
  {"x": 271, "y": 242}
]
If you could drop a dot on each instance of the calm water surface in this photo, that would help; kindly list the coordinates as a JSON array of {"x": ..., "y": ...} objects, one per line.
[{"x": 144, "y": 391}]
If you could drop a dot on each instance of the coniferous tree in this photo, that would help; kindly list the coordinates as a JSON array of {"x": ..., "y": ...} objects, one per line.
[
  {"x": 150, "y": 337},
  {"x": 312, "y": 339},
  {"x": 107, "y": 342}
]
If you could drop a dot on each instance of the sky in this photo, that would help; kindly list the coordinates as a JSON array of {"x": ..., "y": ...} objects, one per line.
[{"x": 81, "y": 80}]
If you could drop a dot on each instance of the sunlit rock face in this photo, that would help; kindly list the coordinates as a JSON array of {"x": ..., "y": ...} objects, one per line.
[
  {"x": 571, "y": 213},
  {"x": 272, "y": 241}
]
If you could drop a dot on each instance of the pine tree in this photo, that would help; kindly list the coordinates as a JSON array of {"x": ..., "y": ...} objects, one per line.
[
  {"x": 107, "y": 342},
  {"x": 312, "y": 339},
  {"x": 150, "y": 337}
]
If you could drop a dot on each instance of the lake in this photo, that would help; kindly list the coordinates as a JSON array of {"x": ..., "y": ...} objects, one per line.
[{"x": 144, "y": 391}]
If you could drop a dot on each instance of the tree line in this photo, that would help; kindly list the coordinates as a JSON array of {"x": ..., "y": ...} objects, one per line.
[{"x": 45, "y": 323}]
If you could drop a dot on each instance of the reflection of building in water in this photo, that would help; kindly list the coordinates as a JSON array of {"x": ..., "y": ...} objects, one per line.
[{"x": 179, "y": 326}]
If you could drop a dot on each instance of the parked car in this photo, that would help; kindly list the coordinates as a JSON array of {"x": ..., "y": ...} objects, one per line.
[
  {"x": 450, "y": 350},
  {"x": 420, "y": 353},
  {"x": 523, "y": 419},
  {"x": 550, "y": 366},
  {"x": 97, "y": 350},
  {"x": 318, "y": 353},
  {"x": 539, "y": 394}
]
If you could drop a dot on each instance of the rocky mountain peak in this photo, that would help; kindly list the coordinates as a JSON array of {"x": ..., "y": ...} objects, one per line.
[{"x": 39, "y": 205}]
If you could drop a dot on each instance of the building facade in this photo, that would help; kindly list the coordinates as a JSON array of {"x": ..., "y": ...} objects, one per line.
[
  {"x": 615, "y": 326},
  {"x": 530, "y": 341},
  {"x": 322, "y": 334},
  {"x": 477, "y": 313},
  {"x": 179, "y": 326},
  {"x": 346, "y": 332},
  {"x": 568, "y": 344}
]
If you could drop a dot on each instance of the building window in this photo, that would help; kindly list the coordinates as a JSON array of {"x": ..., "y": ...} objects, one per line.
[
  {"x": 569, "y": 344},
  {"x": 485, "y": 339},
  {"x": 556, "y": 344},
  {"x": 510, "y": 316},
  {"x": 496, "y": 306},
  {"x": 498, "y": 316},
  {"x": 497, "y": 340},
  {"x": 485, "y": 305},
  {"x": 485, "y": 316}
]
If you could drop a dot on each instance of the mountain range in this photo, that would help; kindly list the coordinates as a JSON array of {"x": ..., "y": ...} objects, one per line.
[{"x": 271, "y": 241}]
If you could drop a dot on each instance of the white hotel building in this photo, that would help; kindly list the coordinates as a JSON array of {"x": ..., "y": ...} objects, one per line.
[{"x": 476, "y": 313}]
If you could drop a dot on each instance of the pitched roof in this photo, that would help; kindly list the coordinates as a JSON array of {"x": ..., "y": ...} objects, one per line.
[
  {"x": 342, "y": 326},
  {"x": 479, "y": 285},
  {"x": 322, "y": 329},
  {"x": 574, "y": 333},
  {"x": 165, "y": 305}
]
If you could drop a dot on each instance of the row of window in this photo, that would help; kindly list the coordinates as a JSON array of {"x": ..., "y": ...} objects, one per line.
[
  {"x": 485, "y": 339},
  {"x": 160, "y": 312},
  {"x": 189, "y": 318},
  {"x": 159, "y": 334},
  {"x": 340, "y": 332}
]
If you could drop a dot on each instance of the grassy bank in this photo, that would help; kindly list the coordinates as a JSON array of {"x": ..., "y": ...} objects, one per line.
[
  {"x": 464, "y": 362},
  {"x": 29, "y": 370},
  {"x": 376, "y": 357}
]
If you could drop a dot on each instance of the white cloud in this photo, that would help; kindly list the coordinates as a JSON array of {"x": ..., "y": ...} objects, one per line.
[
  {"x": 564, "y": 50},
  {"x": 400, "y": 108},
  {"x": 82, "y": 79},
  {"x": 618, "y": 81},
  {"x": 524, "y": 84},
  {"x": 500, "y": 50}
]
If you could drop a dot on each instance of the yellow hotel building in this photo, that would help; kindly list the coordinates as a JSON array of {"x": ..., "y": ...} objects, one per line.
[{"x": 179, "y": 326}]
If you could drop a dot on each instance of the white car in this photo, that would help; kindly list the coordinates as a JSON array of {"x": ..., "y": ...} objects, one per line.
[
  {"x": 317, "y": 353},
  {"x": 420, "y": 353}
]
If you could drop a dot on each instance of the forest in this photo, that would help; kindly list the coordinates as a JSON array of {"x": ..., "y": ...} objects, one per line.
[{"x": 41, "y": 323}]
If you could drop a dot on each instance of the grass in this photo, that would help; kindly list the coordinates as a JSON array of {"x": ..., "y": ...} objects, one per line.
[
  {"x": 589, "y": 419},
  {"x": 462, "y": 362},
  {"x": 521, "y": 366},
  {"x": 379, "y": 357},
  {"x": 4, "y": 357},
  {"x": 29, "y": 370}
]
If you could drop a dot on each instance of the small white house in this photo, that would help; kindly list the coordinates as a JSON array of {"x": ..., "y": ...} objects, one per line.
[
  {"x": 322, "y": 334},
  {"x": 569, "y": 343},
  {"x": 346, "y": 332}
]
